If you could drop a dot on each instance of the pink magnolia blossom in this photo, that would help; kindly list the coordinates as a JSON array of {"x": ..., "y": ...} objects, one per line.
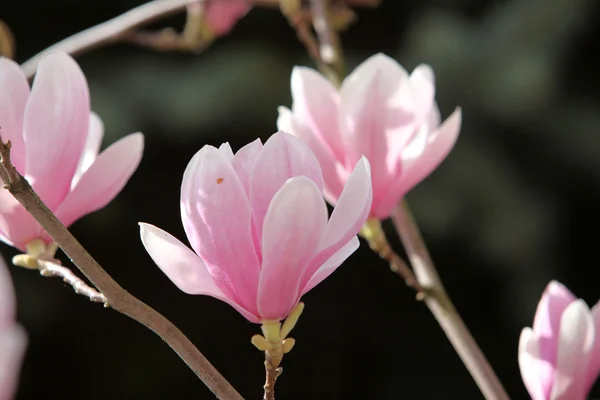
[
  {"x": 55, "y": 142},
  {"x": 559, "y": 357},
  {"x": 258, "y": 224},
  {"x": 220, "y": 16},
  {"x": 13, "y": 339},
  {"x": 380, "y": 112}
]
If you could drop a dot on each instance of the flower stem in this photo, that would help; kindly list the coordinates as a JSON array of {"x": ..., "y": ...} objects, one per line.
[
  {"x": 272, "y": 373},
  {"x": 373, "y": 233},
  {"x": 440, "y": 305},
  {"x": 330, "y": 45}
]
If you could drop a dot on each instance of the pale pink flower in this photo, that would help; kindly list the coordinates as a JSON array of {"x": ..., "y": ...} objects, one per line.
[
  {"x": 257, "y": 222},
  {"x": 13, "y": 339},
  {"x": 220, "y": 16},
  {"x": 560, "y": 357},
  {"x": 380, "y": 112},
  {"x": 55, "y": 142}
]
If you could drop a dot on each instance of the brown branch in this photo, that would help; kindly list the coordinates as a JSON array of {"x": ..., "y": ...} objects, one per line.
[
  {"x": 119, "y": 28},
  {"x": 330, "y": 47},
  {"x": 52, "y": 269},
  {"x": 272, "y": 373},
  {"x": 117, "y": 297},
  {"x": 441, "y": 306},
  {"x": 378, "y": 242},
  {"x": 110, "y": 31},
  {"x": 292, "y": 11}
]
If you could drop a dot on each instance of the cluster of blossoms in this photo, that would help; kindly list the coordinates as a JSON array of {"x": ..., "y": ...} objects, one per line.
[{"x": 257, "y": 219}]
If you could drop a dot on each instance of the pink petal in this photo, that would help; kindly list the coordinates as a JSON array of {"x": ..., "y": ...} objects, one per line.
[
  {"x": 103, "y": 180},
  {"x": 56, "y": 126},
  {"x": 334, "y": 173},
  {"x": 434, "y": 150},
  {"x": 530, "y": 364},
  {"x": 293, "y": 225},
  {"x": 13, "y": 97},
  {"x": 91, "y": 149},
  {"x": 282, "y": 157},
  {"x": 594, "y": 366},
  {"x": 243, "y": 162},
  {"x": 546, "y": 326},
  {"x": 222, "y": 15},
  {"x": 7, "y": 296},
  {"x": 13, "y": 342},
  {"x": 348, "y": 217},
  {"x": 575, "y": 346},
  {"x": 183, "y": 267},
  {"x": 225, "y": 149},
  {"x": 217, "y": 219},
  {"x": 358, "y": 81},
  {"x": 17, "y": 226},
  {"x": 554, "y": 301},
  {"x": 372, "y": 121},
  {"x": 332, "y": 264},
  {"x": 352, "y": 209},
  {"x": 422, "y": 83},
  {"x": 316, "y": 104}
]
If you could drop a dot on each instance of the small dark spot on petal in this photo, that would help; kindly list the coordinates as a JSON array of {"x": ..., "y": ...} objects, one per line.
[{"x": 220, "y": 180}]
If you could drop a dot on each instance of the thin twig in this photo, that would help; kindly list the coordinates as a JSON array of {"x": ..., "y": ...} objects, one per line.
[
  {"x": 117, "y": 297},
  {"x": 271, "y": 375},
  {"x": 110, "y": 31},
  {"x": 51, "y": 269},
  {"x": 442, "y": 308},
  {"x": 298, "y": 20},
  {"x": 119, "y": 28},
  {"x": 373, "y": 233},
  {"x": 330, "y": 48}
]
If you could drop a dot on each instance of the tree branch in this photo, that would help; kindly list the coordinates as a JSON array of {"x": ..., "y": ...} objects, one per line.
[
  {"x": 441, "y": 306},
  {"x": 110, "y": 31},
  {"x": 118, "y": 298},
  {"x": 52, "y": 269},
  {"x": 330, "y": 48},
  {"x": 119, "y": 28},
  {"x": 271, "y": 375}
]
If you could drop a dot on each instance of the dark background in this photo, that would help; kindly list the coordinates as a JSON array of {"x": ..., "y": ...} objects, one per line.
[{"x": 514, "y": 205}]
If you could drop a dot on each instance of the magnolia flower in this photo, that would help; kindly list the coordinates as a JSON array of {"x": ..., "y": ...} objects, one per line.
[
  {"x": 560, "y": 357},
  {"x": 13, "y": 339},
  {"x": 257, "y": 222},
  {"x": 220, "y": 16},
  {"x": 380, "y": 111},
  {"x": 55, "y": 142}
]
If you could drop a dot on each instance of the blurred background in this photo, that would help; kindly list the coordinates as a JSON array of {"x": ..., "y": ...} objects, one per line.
[{"x": 514, "y": 205}]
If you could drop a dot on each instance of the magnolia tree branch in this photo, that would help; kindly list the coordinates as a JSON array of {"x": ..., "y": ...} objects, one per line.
[
  {"x": 118, "y": 298},
  {"x": 52, "y": 269},
  {"x": 441, "y": 307},
  {"x": 330, "y": 48},
  {"x": 119, "y": 28},
  {"x": 271, "y": 375},
  {"x": 110, "y": 31}
]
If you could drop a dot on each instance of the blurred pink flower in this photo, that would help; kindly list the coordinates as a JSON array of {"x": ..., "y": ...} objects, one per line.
[
  {"x": 258, "y": 224},
  {"x": 560, "y": 357},
  {"x": 13, "y": 339},
  {"x": 221, "y": 15},
  {"x": 55, "y": 142},
  {"x": 380, "y": 112}
]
